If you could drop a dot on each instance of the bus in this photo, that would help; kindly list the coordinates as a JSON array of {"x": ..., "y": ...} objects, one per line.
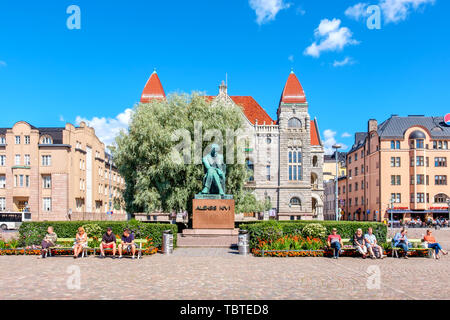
[{"x": 13, "y": 220}]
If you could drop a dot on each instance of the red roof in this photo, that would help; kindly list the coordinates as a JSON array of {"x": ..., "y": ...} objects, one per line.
[
  {"x": 252, "y": 110},
  {"x": 314, "y": 134},
  {"x": 293, "y": 91},
  {"x": 153, "y": 89}
]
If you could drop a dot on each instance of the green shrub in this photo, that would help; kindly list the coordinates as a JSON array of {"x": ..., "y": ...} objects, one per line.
[
  {"x": 314, "y": 230},
  {"x": 268, "y": 229},
  {"x": 32, "y": 233}
]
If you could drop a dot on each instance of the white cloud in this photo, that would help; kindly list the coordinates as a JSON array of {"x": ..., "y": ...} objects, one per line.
[
  {"x": 266, "y": 10},
  {"x": 3, "y": 63},
  {"x": 357, "y": 11},
  {"x": 346, "y": 61},
  {"x": 300, "y": 11},
  {"x": 330, "y": 36},
  {"x": 330, "y": 140},
  {"x": 346, "y": 135},
  {"x": 393, "y": 10},
  {"x": 291, "y": 58},
  {"x": 398, "y": 10},
  {"x": 107, "y": 129}
]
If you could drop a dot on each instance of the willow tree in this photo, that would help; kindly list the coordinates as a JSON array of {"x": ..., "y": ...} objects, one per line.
[{"x": 160, "y": 176}]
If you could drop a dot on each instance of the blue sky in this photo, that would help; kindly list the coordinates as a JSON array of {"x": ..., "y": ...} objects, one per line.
[{"x": 50, "y": 74}]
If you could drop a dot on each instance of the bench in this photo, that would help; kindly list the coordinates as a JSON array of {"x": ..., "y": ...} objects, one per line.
[
  {"x": 63, "y": 241},
  {"x": 138, "y": 242},
  {"x": 395, "y": 250}
]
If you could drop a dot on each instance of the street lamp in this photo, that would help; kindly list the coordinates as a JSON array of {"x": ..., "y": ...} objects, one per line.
[
  {"x": 336, "y": 147},
  {"x": 110, "y": 195},
  {"x": 392, "y": 213}
]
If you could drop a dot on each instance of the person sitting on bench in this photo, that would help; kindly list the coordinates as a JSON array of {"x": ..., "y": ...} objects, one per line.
[
  {"x": 401, "y": 241},
  {"x": 433, "y": 244},
  {"x": 372, "y": 246},
  {"x": 108, "y": 242},
  {"x": 48, "y": 241},
  {"x": 127, "y": 243},
  {"x": 335, "y": 242},
  {"x": 81, "y": 242},
  {"x": 359, "y": 243}
]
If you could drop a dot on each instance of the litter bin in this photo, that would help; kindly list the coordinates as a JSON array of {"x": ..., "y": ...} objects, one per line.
[
  {"x": 167, "y": 242},
  {"x": 243, "y": 242}
]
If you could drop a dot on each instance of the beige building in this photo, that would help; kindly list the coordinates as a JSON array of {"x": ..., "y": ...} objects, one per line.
[
  {"x": 399, "y": 167},
  {"x": 53, "y": 172}
]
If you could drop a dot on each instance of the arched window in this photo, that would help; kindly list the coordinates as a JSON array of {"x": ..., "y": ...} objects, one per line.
[
  {"x": 46, "y": 140},
  {"x": 251, "y": 168},
  {"x": 295, "y": 201},
  {"x": 294, "y": 123},
  {"x": 440, "y": 198},
  {"x": 315, "y": 161}
]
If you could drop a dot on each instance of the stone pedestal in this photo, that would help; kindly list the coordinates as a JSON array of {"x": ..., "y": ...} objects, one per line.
[{"x": 213, "y": 214}]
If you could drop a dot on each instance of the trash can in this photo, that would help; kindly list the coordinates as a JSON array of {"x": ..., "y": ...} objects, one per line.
[
  {"x": 243, "y": 242},
  {"x": 167, "y": 242}
]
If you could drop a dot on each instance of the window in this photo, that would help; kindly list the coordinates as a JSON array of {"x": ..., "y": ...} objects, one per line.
[
  {"x": 268, "y": 173},
  {"x": 295, "y": 165},
  {"x": 46, "y": 140},
  {"x": 47, "y": 204},
  {"x": 2, "y": 181},
  {"x": 356, "y": 186},
  {"x": 17, "y": 139},
  {"x": 295, "y": 201},
  {"x": 2, "y": 204},
  {"x": 395, "y": 161},
  {"x": 2, "y": 140},
  {"x": 250, "y": 167},
  {"x": 27, "y": 140},
  {"x": 440, "y": 180},
  {"x": 356, "y": 201},
  {"x": 396, "y": 197},
  {"x": 440, "y": 162},
  {"x": 419, "y": 161},
  {"x": 294, "y": 123},
  {"x": 395, "y": 180},
  {"x": 2, "y": 160},
  {"x": 356, "y": 171},
  {"x": 349, "y": 188},
  {"x": 419, "y": 144},
  {"x": 420, "y": 179},
  {"x": 440, "y": 198},
  {"x": 46, "y": 160},
  {"x": 27, "y": 160},
  {"x": 27, "y": 181},
  {"x": 343, "y": 189},
  {"x": 17, "y": 160},
  {"x": 356, "y": 157},
  {"x": 420, "y": 197},
  {"x": 350, "y": 173},
  {"x": 362, "y": 153},
  {"x": 47, "y": 181},
  {"x": 362, "y": 169},
  {"x": 395, "y": 144},
  {"x": 350, "y": 202}
]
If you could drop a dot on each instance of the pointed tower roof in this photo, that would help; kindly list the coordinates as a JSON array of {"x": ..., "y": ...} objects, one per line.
[
  {"x": 153, "y": 89},
  {"x": 293, "y": 91}
]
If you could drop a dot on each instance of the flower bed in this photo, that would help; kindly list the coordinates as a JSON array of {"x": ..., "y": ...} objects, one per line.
[{"x": 290, "y": 246}]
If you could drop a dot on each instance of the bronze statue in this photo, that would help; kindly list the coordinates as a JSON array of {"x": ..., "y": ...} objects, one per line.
[{"x": 215, "y": 171}]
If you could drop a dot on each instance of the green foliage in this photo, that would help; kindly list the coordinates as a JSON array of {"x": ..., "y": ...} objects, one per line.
[
  {"x": 11, "y": 244},
  {"x": 314, "y": 230},
  {"x": 249, "y": 203},
  {"x": 145, "y": 158},
  {"x": 32, "y": 233},
  {"x": 271, "y": 230}
]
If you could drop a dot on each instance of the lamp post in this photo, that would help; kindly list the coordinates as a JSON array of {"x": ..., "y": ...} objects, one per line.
[
  {"x": 336, "y": 147},
  {"x": 110, "y": 195},
  {"x": 392, "y": 213},
  {"x": 448, "y": 203}
]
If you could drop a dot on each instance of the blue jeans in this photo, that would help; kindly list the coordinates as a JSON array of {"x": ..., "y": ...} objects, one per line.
[
  {"x": 435, "y": 246},
  {"x": 336, "y": 248},
  {"x": 403, "y": 245}
]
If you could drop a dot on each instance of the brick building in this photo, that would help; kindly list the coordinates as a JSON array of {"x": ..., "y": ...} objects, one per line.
[
  {"x": 286, "y": 156},
  {"x": 398, "y": 167},
  {"x": 50, "y": 172}
]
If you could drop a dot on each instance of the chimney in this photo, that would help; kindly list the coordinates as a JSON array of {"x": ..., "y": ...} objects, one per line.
[
  {"x": 372, "y": 125},
  {"x": 223, "y": 88}
]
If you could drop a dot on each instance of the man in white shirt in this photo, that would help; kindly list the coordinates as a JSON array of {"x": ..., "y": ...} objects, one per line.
[{"x": 372, "y": 245}]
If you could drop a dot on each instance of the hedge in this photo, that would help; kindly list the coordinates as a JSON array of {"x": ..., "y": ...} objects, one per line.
[
  {"x": 271, "y": 230},
  {"x": 31, "y": 233}
]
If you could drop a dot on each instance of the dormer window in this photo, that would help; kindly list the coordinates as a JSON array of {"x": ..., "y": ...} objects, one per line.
[{"x": 46, "y": 140}]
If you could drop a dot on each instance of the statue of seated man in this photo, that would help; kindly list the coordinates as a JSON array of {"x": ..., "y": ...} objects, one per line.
[{"x": 215, "y": 169}]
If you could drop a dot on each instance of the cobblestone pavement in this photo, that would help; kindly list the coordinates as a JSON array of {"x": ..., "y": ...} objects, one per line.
[{"x": 220, "y": 273}]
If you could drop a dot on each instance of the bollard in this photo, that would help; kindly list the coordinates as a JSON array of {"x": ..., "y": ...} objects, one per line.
[
  {"x": 243, "y": 242},
  {"x": 167, "y": 242}
]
